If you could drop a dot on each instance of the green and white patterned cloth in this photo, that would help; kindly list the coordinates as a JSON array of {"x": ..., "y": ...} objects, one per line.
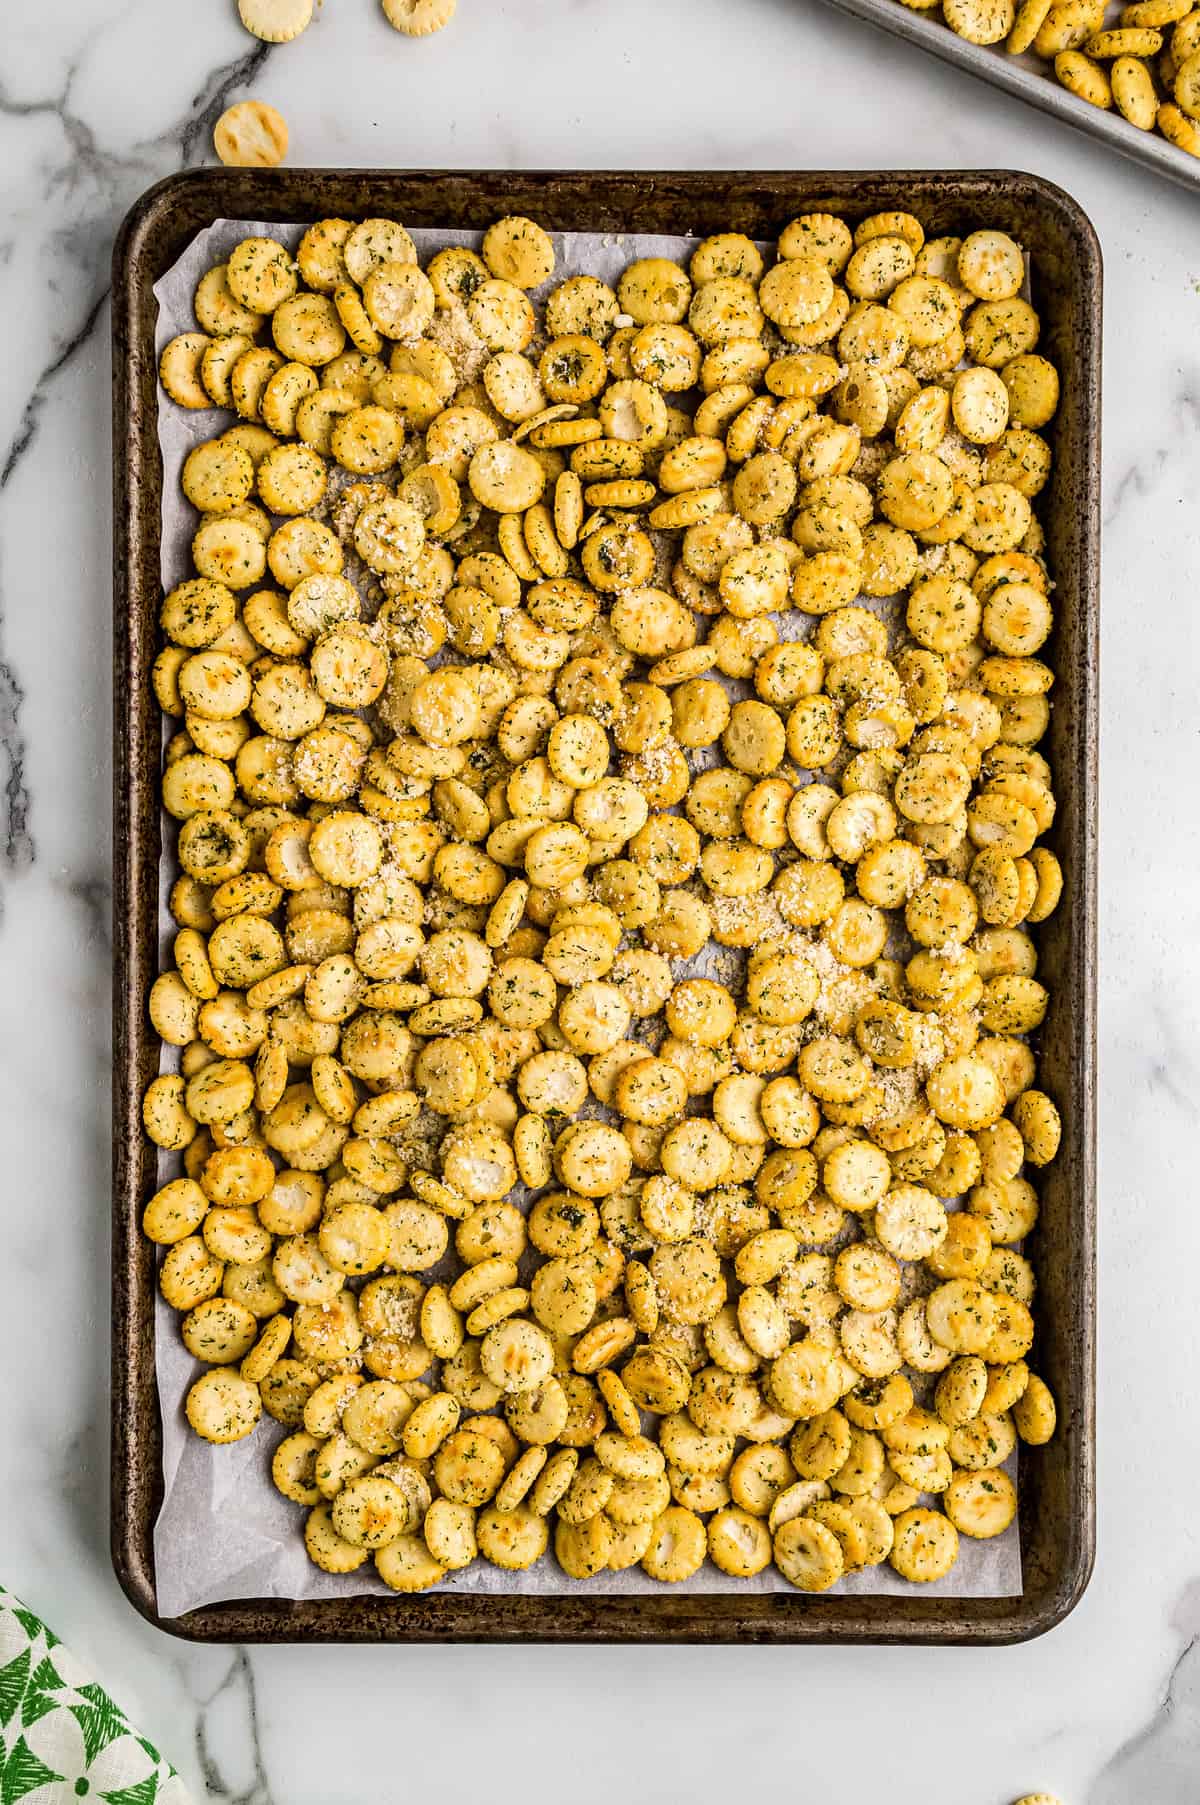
[{"x": 61, "y": 1736}]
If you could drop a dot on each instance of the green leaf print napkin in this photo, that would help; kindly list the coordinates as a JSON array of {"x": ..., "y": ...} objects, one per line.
[{"x": 61, "y": 1736}]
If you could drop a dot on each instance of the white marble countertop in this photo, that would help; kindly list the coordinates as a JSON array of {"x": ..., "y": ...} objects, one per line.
[{"x": 97, "y": 99}]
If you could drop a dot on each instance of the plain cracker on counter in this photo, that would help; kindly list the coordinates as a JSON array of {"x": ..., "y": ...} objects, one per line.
[
  {"x": 275, "y": 21},
  {"x": 418, "y": 18},
  {"x": 251, "y": 135}
]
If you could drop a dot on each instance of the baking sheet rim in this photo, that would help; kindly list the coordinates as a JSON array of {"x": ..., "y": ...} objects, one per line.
[{"x": 685, "y": 195}]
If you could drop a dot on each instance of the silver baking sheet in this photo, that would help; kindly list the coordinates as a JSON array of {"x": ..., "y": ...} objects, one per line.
[{"x": 1031, "y": 78}]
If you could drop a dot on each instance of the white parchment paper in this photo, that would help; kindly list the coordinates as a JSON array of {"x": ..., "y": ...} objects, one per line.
[{"x": 224, "y": 1532}]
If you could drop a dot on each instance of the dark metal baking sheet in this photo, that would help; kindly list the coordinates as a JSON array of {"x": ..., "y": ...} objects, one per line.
[{"x": 1057, "y": 1484}]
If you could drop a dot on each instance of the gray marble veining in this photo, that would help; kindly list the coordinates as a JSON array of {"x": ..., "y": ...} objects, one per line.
[
  {"x": 228, "y": 1746},
  {"x": 14, "y": 810},
  {"x": 1160, "y": 1762},
  {"x": 92, "y": 186}
]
